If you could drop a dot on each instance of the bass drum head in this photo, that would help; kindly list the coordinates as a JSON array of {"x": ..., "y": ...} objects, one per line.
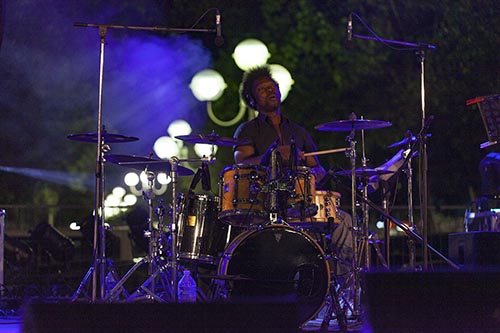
[{"x": 277, "y": 264}]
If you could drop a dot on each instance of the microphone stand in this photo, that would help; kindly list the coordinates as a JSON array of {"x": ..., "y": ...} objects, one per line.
[
  {"x": 420, "y": 50},
  {"x": 100, "y": 262}
]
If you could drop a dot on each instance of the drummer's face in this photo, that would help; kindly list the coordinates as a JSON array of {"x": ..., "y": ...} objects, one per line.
[{"x": 267, "y": 95}]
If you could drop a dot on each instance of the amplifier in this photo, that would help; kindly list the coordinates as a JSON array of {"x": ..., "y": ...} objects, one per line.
[{"x": 482, "y": 221}]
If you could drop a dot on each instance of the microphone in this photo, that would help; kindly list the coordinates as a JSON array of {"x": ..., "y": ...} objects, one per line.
[
  {"x": 218, "y": 37},
  {"x": 205, "y": 177},
  {"x": 266, "y": 157},
  {"x": 196, "y": 179},
  {"x": 349, "y": 28}
]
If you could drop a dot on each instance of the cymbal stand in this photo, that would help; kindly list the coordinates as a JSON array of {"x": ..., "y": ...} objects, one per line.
[
  {"x": 364, "y": 208},
  {"x": 156, "y": 267},
  {"x": 351, "y": 153},
  {"x": 99, "y": 265},
  {"x": 419, "y": 49},
  {"x": 100, "y": 262},
  {"x": 409, "y": 176}
]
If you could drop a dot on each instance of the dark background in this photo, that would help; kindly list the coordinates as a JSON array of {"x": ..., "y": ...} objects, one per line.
[{"x": 49, "y": 84}]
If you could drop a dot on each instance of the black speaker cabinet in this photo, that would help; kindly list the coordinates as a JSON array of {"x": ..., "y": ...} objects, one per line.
[
  {"x": 432, "y": 302},
  {"x": 149, "y": 317},
  {"x": 475, "y": 250}
]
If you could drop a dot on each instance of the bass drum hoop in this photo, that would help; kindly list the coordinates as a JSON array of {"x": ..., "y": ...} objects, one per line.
[{"x": 277, "y": 274}]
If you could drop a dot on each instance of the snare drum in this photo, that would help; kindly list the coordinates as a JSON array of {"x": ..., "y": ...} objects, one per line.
[
  {"x": 301, "y": 199},
  {"x": 327, "y": 203},
  {"x": 242, "y": 199},
  {"x": 201, "y": 237},
  {"x": 275, "y": 264}
]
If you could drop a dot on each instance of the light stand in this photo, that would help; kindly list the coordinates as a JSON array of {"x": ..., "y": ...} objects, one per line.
[{"x": 100, "y": 263}]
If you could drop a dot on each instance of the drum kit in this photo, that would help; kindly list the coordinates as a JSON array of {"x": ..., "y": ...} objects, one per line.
[{"x": 253, "y": 236}]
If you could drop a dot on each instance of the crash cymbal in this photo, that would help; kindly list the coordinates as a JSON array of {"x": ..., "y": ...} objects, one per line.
[
  {"x": 364, "y": 173},
  {"x": 354, "y": 124},
  {"x": 107, "y": 137},
  {"x": 212, "y": 139},
  {"x": 143, "y": 163}
]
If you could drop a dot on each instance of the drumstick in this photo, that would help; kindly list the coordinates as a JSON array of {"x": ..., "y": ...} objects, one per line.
[{"x": 326, "y": 151}]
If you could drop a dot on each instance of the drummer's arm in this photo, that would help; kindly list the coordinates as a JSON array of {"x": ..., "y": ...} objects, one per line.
[
  {"x": 246, "y": 155},
  {"x": 313, "y": 163}
]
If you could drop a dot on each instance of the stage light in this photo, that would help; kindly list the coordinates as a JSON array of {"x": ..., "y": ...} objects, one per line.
[
  {"x": 204, "y": 150},
  {"x": 130, "y": 199},
  {"x": 207, "y": 85},
  {"x": 250, "y": 53},
  {"x": 131, "y": 179},
  {"x": 284, "y": 79},
  {"x": 165, "y": 147},
  {"x": 179, "y": 127},
  {"x": 74, "y": 226},
  {"x": 119, "y": 192}
]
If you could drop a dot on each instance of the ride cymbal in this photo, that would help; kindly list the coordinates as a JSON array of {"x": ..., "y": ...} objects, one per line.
[
  {"x": 354, "y": 124},
  {"x": 107, "y": 137},
  {"x": 143, "y": 163}
]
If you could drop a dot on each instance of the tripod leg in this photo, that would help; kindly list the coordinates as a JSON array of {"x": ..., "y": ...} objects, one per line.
[
  {"x": 81, "y": 287},
  {"x": 148, "y": 288},
  {"x": 334, "y": 307}
]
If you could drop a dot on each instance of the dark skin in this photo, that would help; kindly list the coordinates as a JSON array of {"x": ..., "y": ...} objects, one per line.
[{"x": 267, "y": 98}]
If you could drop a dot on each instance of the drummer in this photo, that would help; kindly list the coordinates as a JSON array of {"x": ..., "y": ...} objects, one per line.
[
  {"x": 270, "y": 128},
  {"x": 261, "y": 92}
]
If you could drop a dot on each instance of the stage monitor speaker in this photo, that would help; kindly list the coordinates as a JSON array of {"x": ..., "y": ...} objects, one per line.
[
  {"x": 475, "y": 250},
  {"x": 432, "y": 302},
  {"x": 156, "y": 317}
]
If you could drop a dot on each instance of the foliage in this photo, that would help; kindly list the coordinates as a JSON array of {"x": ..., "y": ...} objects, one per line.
[{"x": 332, "y": 80}]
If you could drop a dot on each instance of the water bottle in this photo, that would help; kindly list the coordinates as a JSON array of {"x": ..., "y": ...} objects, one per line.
[{"x": 186, "y": 290}]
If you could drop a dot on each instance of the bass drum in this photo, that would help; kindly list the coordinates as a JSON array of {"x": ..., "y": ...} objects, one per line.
[{"x": 276, "y": 264}]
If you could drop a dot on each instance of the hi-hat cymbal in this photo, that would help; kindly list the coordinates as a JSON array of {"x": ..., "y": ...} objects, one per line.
[
  {"x": 406, "y": 141},
  {"x": 107, "y": 137},
  {"x": 364, "y": 173},
  {"x": 212, "y": 139},
  {"x": 354, "y": 124},
  {"x": 403, "y": 142},
  {"x": 143, "y": 163}
]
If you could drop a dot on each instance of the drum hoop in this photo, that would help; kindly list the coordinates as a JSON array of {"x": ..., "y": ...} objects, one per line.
[
  {"x": 243, "y": 166},
  {"x": 246, "y": 234}
]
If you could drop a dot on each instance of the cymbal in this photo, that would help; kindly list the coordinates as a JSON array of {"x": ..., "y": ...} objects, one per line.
[
  {"x": 405, "y": 141},
  {"x": 364, "y": 173},
  {"x": 354, "y": 124},
  {"x": 107, "y": 137},
  {"x": 212, "y": 139},
  {"x": 143, "y": 163}
]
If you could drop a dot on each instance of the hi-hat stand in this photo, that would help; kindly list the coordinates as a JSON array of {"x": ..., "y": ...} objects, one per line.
[{"x": 100, "y": 263}]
